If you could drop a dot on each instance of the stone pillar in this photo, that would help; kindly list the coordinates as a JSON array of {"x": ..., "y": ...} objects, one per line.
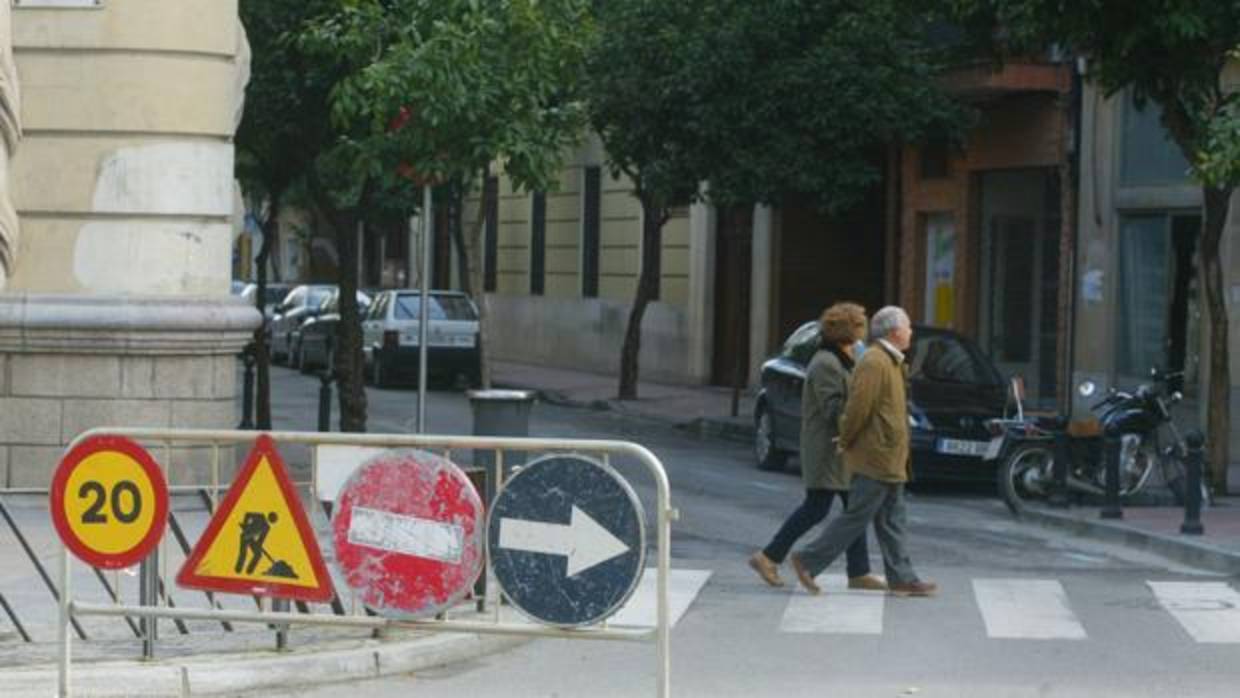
[
  {"x": 116, "y": 309},
  {"x": 701, "y": 305},
  {"x": 760, "y": 293}
]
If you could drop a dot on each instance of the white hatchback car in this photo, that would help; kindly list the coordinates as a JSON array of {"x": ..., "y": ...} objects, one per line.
[{"x": 390, "y": 337}]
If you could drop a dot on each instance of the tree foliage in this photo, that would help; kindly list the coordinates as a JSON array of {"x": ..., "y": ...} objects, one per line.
[
  {"x": 437, "y": 90},
  {"x": 760, "y": 100},
  {"x": 284, "y": 127}
]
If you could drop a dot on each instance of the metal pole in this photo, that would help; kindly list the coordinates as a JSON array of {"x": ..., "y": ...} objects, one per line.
[
  {"x": 62, "y": 631},
  {"x": 281, "y": 606},
  {"x": 1192, "y": 485},
  {"x": 325, "y": 401},
  {"x": 248, "y": 358},
  {"x": 424, "y": 283},
  {"x": 148, "y": 595},
  {"x": 1110, "y": 455}
]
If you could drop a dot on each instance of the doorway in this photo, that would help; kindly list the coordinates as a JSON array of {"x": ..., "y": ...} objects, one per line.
[
  {"x": 733, "y": 259},
  {"x": 1018, "y": 299}
]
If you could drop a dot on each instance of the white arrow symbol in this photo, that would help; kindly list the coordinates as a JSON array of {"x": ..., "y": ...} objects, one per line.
[{"x": 583, "y": 541}]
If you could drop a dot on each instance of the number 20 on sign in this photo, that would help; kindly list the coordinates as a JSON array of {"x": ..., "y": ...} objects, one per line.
[{"x": 109, "y": 502}]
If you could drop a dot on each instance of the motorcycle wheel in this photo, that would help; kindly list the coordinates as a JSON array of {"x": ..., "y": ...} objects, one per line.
[{"x": 1017, "y": 471}]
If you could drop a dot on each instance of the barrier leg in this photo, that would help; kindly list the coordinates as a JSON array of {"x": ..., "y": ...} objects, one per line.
[
  {"x": 148, "y": 595},
  {"x": 63, "y": 636}
]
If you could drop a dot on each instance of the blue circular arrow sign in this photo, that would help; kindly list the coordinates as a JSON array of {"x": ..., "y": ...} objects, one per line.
[{"x": 567, "y": 541}]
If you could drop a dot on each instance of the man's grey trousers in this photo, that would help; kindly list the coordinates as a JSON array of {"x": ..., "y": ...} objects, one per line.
[{"x": 868, "y": 500}]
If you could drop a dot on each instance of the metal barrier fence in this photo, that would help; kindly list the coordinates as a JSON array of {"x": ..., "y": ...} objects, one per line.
[{"x": 492, "y": 622}]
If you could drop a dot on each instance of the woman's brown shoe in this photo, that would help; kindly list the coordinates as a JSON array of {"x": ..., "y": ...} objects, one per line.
[
  {"x": 767, "y": 570},
  {"x": 914, "y": 589},
  {"x": 806, "y": 579},
  {"x": 867, "y": 583}
]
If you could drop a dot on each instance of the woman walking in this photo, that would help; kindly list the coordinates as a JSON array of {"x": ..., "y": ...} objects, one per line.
[{"x": 822, "y": 403}]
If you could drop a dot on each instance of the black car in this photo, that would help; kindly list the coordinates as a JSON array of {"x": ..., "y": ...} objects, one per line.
[
  {"x": 954, "y": 390},
  {"x": 314, "y": 342}
]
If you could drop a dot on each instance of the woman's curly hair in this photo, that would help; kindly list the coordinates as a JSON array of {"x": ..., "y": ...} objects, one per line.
[{"x": 842, "y": 324}]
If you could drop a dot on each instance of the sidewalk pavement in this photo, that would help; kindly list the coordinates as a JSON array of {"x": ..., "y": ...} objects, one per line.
[
  {"x": 1156, "y": 529},
  {"x": 704, "y": 409}
]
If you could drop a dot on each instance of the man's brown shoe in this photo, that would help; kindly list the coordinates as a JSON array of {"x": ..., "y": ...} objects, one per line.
[
  {"x": 867, "y": 583},
  {"x": 803, "y": 575},
  {"x": 767, "y": 570},
  {"x": 917, "y": 588}
]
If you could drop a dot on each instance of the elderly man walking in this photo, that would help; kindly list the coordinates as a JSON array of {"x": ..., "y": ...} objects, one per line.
[{"x": 874, "y": 441}]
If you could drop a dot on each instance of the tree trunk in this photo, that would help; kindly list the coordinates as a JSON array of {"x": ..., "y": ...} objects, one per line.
[
  {"x": 456, "y": 196},
  {"x": 262, "y": 352},
  {"x": 653, "y": 218},
  {"x": 349, "y": 363},
  {"x": 1218, "y": 416},
  {"x": 472, "y": 281}
]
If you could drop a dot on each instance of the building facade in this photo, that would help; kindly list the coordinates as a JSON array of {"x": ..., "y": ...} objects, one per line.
[
  {"x": 986, "y": 228},
  {"x": 1139, "y": 299},
  {"x": 114, "y": 308}
]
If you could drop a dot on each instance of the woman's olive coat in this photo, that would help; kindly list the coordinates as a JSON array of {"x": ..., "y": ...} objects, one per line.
[{"x": 822, "y": 402}]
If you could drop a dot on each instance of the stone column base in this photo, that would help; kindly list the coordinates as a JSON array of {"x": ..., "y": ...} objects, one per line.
[{"x": 69, "y": 363}]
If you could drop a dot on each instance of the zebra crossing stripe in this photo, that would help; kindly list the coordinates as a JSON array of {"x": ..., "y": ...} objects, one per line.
[
  {"x": 1208, "y": 611},
  {"x": 682, "y": 587},
  {"x": 1026, "y": 609},
  {"x": 837, "y": 611}
]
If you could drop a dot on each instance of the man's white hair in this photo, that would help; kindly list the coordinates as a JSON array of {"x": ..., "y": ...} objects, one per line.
[{"x": 887, "y": 320}]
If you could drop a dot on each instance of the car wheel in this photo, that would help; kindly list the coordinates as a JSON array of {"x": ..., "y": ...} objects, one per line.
[{"x": 769, "y": 456}]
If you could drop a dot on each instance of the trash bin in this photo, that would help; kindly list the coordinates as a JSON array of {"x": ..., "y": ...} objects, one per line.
[{"x": 501, "y": 413}]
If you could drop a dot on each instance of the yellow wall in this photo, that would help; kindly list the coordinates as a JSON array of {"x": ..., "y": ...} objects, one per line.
[
  {"x": 619, "y": 240},
  {"x": 126, "y": 161}
]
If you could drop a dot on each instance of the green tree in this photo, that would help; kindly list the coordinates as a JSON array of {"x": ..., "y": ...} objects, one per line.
[
  {"x": 1172, "y": 53},
  {"x": 760, "y": 100},
  {"x": 283, "y": 129},
  {"x": 437, "y": 91}
]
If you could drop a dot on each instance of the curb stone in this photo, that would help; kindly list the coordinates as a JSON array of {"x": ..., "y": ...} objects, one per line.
[
  {"x": 232, "y": 674},
  {"x": 1180, "y": 549}
]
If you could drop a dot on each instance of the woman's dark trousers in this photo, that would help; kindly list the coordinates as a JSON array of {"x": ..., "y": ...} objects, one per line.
[{"x": 814, "y": 509}]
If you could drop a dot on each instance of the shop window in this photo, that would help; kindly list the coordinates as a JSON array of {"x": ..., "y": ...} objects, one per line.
[
  {"x": 940, "y": 269},
  {"x": 591, "y": 211},
  {"x": 538, "y": 243},
  {"x": 1149, "y": 157},
  {"x": 490, "y": 254},
  {"x": 1159, "y": 315}
]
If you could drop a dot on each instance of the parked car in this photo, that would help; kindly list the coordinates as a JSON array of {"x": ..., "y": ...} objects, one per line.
[
  {"x": 272, "y": 297},
  {"x": 313, "y": 343},
  {"x": 390, "y": 337},
  {"x": 301, "y": 304},
  {"x": 954, "y": 390}
]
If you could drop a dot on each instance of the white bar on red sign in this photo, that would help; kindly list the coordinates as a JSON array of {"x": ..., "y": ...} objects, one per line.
[{"x": 407, "y": 535}]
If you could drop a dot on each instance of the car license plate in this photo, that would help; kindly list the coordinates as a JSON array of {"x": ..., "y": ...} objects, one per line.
[{"x": 960, "y": 447}]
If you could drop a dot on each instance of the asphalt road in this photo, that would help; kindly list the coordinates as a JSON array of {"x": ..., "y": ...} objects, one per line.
[{"x": 1022, "y": 611}]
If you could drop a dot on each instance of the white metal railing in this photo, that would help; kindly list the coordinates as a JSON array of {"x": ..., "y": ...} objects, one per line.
[{"x": 660, "y": 634}]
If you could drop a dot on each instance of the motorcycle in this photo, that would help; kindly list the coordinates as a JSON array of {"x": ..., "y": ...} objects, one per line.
[{"x": 1142, "y": 421}]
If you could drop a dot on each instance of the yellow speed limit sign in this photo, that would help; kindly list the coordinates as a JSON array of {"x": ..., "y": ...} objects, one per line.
[{"x": 109, "y": 502}]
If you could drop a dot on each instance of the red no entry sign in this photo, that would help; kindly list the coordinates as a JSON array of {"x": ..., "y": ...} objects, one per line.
[{"x": 408, "y": 533}]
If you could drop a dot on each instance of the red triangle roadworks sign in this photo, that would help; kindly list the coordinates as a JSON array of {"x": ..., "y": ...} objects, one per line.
[{"x": 259, "y": 541}]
